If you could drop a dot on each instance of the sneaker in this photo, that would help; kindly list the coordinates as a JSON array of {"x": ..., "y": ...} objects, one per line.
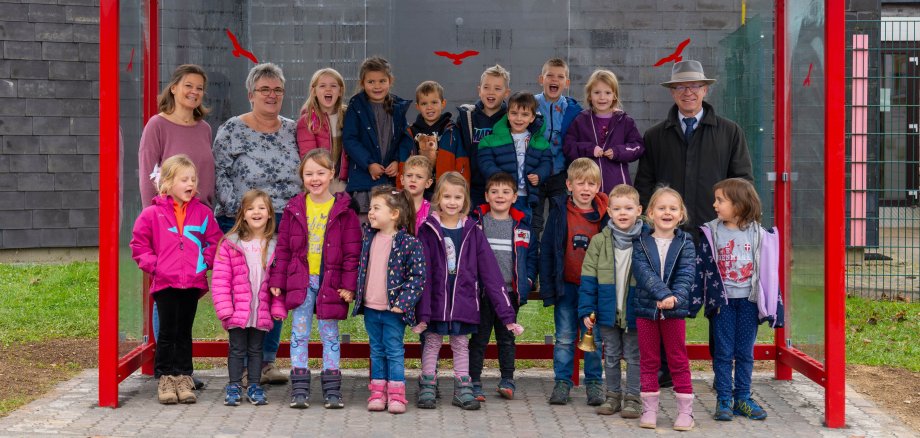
[
  {"x": 271, "y": 374},
  {"x": 724, "y": 410},
  {"x": 427, "y": 392},
  {"x": 560, "y": 395},
  {"x": 234, "y": 394},
  {"x": 506, "y": 388},
  {"x": 611, "y": 404},
  {"x": 463, "y": 394},
  {"x": 749, "y": 408},
  {"x": 477, "y": 392},
  {"x": 256, "y": 395},
  {"x": 166, "y": 390},
  {"x": 632, "y": 407},
  {"x": 595, "y": 392},
  {"x": 185, "y": 389}
]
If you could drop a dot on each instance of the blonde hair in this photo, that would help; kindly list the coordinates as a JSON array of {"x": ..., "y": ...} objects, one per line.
[
  {"x": 170, "y": 168},
  {"x": 454, "y": 179},
  {"x": 319, "y": 156},
  {"x": 744, "y": 197},
  {"x": 419, "y": 161},
  {"x": 399, "y": 200},
  {"x": 624, "y": 191},
  {"x": 315, "y": 120},
  {"x": 555, "y": 62},
  {"x": 665, "y": 190},
  {"x": 584, "y": 168},
  {"x": 496, "y": 71},
  {"x": 608, "y": 78},
  {"x": 166, "y": 102},
  {"x": 241, "y": 228}
]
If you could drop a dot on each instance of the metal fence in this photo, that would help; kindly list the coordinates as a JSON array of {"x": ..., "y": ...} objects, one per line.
[{"x": 883, "y": 149}]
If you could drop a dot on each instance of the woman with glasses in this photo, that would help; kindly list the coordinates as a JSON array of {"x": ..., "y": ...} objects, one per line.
[{"x": 258, "y": 150}]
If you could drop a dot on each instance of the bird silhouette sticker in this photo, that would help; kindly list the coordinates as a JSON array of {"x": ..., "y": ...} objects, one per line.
[
  {"x": 457, "y": 58},
  {"x": 238, "y": 50},
  {"x": 807, "y": 81},
  {"x": 131, "y": 60},
  {"x": 674, "y": 57}
]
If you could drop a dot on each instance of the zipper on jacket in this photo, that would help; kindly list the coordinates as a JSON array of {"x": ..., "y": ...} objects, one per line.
[
  {"x": 453, "y": 297},
  {"x": 441, "y": 244}
]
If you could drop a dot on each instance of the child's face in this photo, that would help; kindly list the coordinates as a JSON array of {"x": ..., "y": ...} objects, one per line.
[
  {"x": 554, "y": 81},
  {"x": 381, "y": 216},
  {"x": 583, "y": 191},
  {"x": 256, "y": 215},
  {"x": 316, "y": 178},
  {"x": 430, "y": 106},
  {"x": 666, "y": 214},
  {"x": 377, "y": 85},
  {"x": 451, "y": 202},
  {"x": 602, "y": 98},
  {"x": 623, "y": 211},
  {"x": 416, "y": 179},
  {"x": 725, "y": 208},
  {"x": 492, "y": 92},
  {"x": 328, "y": 92},
  {"x": 501, "y": 197},
  {"x": 184, "y": 185},
  {"x": 519, "y": 118}
]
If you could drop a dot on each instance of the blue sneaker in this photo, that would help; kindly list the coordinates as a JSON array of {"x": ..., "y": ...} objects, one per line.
[
  {"x": 724, "y": 410},
  {"x": 749, "y": 408},
  {"x": 477, "y": 392},
  {"x": 234, "y": 394},
  {"x": 506, "y": 388},
  {"x": 256, "y": 395}
]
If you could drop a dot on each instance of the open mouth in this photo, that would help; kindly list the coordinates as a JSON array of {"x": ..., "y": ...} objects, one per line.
[
  {"x": 553, "y": 88},
  {"x": 328, "y": 100}
]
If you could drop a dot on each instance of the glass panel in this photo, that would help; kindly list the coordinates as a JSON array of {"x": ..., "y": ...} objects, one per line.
[{"x": 805, "y": 300}]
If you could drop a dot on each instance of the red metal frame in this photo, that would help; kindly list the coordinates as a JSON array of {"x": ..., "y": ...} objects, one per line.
[{"x": 830, "y": 374}]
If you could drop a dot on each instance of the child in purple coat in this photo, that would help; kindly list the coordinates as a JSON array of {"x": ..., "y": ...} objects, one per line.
[
  {"x": 459, "y": 261},
  {"x": 604, "y": 132}
]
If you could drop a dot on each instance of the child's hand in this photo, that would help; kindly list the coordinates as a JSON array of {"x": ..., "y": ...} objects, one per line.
[
  {"x": 420, "y": 328},
  {"x": 275, "y": 291},
  {"x": 534, "y": 179},
  {"x": 598, "y": 151},
  {"x": 515, "y": 328},
  {"x": 609, "y": 153},
  {"x": 375, "y": 170},
  {"x": 392, "y": 170},
  {"x": 396, "y": 310},
  {"x": 667, "y": 303},
  {"x": 588, "y": 324},
  {"x": 347, "y": 295}
]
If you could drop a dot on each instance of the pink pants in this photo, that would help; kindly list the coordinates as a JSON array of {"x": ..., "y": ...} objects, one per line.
[
  {"x": 672, "y": 332},
  {"x": 459, "y": 345}
]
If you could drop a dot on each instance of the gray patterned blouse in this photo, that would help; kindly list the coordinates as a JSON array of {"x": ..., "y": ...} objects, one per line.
[{"x": 247, "y": 159}]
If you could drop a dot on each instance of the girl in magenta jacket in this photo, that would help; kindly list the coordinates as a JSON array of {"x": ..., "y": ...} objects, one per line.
[
  {"x": 604, "y": 133},
  {"x": 174, "y": 241},
  {"x": 239, "y": 287},
  {"x": 316, "y": 267},
  {"x": 320, "y": 122}
]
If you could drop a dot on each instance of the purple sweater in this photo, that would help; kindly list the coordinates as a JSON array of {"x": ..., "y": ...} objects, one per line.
[
  {"x": 162, "y": 139},
  {"x": 622, "y": 137}
]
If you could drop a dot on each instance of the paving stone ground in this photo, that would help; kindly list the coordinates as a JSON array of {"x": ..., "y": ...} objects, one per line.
[{"x": 795, "y": 408}]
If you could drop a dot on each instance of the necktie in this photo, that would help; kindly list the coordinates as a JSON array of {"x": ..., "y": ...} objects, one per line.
[{"x": 688, "y": 133}]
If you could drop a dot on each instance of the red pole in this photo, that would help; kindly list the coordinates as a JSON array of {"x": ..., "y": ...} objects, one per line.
[
  {"x": 151, "y": 83},
  {"x": 782, "y": 195},
  {"x": 109, "y": 175},
  {"x": 834, "y": 213}
]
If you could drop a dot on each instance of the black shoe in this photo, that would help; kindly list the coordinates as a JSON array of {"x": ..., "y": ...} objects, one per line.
[
  {"x": 596, "y": 393},
  {"x": 199, "y": 385},
  {"x": 560, "y": 395},
  {"x": 332, "y": 385},
  {"x": 300, "y": 388}
]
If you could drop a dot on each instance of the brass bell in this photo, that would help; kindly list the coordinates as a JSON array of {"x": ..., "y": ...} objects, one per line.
[{"x": 587, "y": 341}]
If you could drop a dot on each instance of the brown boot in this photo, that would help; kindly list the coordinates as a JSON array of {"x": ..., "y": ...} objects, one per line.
[
  {"x": 166, "y": 390},
  {"x": 185, "y": 389}
]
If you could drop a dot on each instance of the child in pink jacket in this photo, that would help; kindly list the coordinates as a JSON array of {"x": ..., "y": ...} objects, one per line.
[
  {"x": 240, "y": 291},
  {"x": 174, "y": 241}
]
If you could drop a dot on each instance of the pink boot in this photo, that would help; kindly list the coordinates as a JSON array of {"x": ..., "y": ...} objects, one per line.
[
  {"x": 378, "y": 400},
  {"x": 396, "y": 392},
  {"x": 684, "y": 419},
  {"x": 649, "y": 409}
]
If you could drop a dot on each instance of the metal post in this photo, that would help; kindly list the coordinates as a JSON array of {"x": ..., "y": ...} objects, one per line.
[
  {"x": 151, "y": 86},
  {"x": 782, "y": 197}
]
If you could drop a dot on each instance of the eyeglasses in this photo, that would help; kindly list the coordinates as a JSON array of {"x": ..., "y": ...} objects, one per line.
[
  {"x": 265, "y": 91},
  {"x": 693, "y": 88}
]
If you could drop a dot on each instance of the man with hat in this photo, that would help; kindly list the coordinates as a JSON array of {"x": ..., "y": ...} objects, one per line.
[{"x": 693, "y": 148}]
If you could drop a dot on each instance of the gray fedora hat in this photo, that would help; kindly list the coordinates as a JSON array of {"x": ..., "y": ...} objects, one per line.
[{"x": 687, "y": 71}]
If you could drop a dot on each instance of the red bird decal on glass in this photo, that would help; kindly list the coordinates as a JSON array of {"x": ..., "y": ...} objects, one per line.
[
  {"x": 807, "y": 81},
  {"x": 131, "y": 60},
  {"x": 457, "y": 57},
  {"x": 239, "y": 50},
  {"x": 674, "y": 56}
]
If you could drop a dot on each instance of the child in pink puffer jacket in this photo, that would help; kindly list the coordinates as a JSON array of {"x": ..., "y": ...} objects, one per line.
[{"x": 241, "y": 296}]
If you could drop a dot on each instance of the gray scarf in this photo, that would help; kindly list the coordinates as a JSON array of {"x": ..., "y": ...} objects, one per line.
[{"x": 624, "y": 239}]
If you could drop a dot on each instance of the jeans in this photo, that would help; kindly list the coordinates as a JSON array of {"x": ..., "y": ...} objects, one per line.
[
  {"x": 735, "y": 330},
  {"x": 302, "y": 324},
  {"x": 621, "y": 344},
  {"x": 245, "y": 346},
  {"x": 177, "y": 308},
  {"x": 549, "y": 188},
  {"x": 672, "y": 333},
  {"x": 385, "y": 331},
  {"x": 479, "y": 340},
  {"x": 565, "y": 315}
]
